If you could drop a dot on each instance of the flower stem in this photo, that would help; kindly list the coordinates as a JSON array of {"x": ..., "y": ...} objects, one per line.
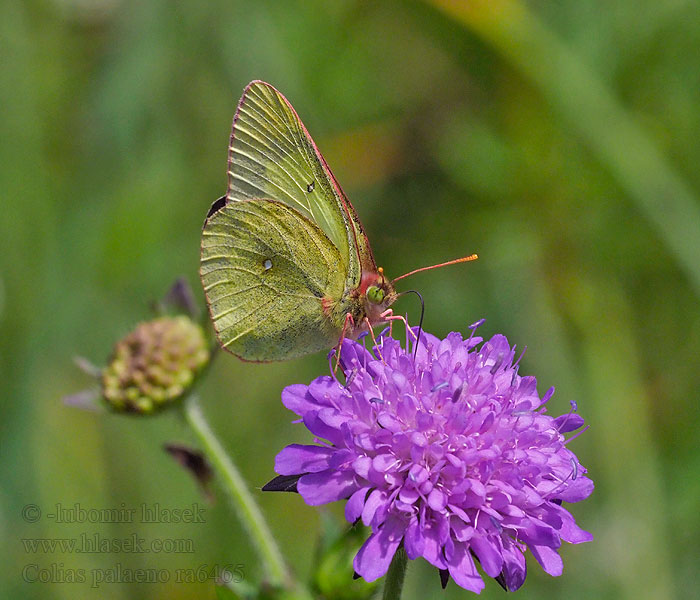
[
  {"x": 395, "y": 575},
  {"x": 239, "y": 495}
]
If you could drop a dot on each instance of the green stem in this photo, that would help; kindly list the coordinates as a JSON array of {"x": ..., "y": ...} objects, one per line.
[
  {"x": 395, "y": 576},
  {"x": 241, "y": 498}
]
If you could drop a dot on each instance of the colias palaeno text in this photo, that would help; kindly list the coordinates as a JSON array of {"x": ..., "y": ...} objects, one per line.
[{"x": 285, "y": 264}]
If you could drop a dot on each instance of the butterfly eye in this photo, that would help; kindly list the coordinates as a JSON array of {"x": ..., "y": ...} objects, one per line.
[{"x": 375, "y": 294}]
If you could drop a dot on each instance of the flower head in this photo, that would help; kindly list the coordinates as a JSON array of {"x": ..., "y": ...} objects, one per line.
[
  {"x": 449, "y": 452},
  {"x": 154, "y": 364}
]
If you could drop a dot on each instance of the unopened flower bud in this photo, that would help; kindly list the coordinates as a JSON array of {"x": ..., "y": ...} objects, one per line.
[{"x": 154, "y": 365}]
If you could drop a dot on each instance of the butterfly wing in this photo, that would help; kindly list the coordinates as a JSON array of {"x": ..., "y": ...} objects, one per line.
[
  {"x": 266, "y": 270},
  {"x": 272, "y": 155}
]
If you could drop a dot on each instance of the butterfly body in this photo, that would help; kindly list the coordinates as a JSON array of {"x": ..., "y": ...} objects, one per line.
[{"x": 285, "y": 264}]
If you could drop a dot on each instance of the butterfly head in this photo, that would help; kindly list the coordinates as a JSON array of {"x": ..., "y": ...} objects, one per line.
[
  {"x": 379, "y": 294},
  {"x": 375, "y": 294}
]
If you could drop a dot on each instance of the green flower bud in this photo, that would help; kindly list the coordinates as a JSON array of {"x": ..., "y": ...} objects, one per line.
[{"x": 154, "y": 365}]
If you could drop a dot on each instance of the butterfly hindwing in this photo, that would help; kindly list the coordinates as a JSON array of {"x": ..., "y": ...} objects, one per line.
[{"x": 266, "y": 269}]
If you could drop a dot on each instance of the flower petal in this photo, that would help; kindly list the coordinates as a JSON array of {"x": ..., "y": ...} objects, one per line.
[
  {"x": 570, "y": 532},
  {"x": 326, "y": 486},
  {"x": 489, "y": 557},
  {"x": 322, "y": 391},
  {"x": 413, "y": 541},
  {"x": 320, "y": 429},
  {"x": 568, "y": 422},
  {"x": 296, "y": 459},
  {"x": 435, "y": 532},
  {"x": 514, "y": 567},
  {"x": 463, "y": 570},
  {"x": 353, "y": 508},
  {"x": 576, "y": 490},
  {"x": 548, "y": 558},
  {"x": 374, "y": 502},
  {"x": 295, "y": 398},
  {"x": 437, "y": 500},
  {"x": 373, "y": 559},
  {"x": 533, "y": 534}
]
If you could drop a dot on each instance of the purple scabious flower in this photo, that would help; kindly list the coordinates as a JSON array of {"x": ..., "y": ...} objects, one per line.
[{"x": 449, "y": 452}]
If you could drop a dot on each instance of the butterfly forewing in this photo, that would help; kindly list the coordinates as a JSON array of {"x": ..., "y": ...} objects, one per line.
[{"x": 271, "y": 155}]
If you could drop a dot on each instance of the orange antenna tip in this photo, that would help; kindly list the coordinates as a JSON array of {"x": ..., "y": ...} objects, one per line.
[{"x": 445, "y": 264}]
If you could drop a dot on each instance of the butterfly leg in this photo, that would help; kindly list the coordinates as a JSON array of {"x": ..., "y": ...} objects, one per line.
[
  {"x": 388, "y": 315},
  {"x": 374, "y": 339},
  {"x": 348, "y": 321}
]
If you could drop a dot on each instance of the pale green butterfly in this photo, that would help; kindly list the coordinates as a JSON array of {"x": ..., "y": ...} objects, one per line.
[{"x": 286, "y": 266}]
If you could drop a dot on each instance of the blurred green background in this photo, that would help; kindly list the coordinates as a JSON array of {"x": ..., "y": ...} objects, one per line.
[{"x": 559, "y": 140}]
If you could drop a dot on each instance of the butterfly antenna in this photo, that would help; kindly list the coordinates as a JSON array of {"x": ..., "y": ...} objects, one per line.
[
  {"x": 445, "y": 264},
  {"x": 420, "y": 323}
]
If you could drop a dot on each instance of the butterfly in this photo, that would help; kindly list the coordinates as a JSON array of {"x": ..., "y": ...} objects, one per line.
[{"x": 286, "y": 265}]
